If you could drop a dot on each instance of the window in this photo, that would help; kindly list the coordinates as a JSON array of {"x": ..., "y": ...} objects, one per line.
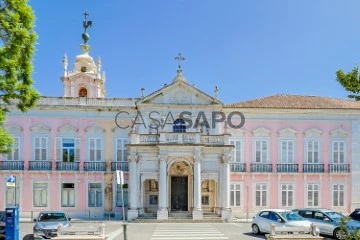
[
  {"x": 67, "y": 149},
  {"x": 338, "y": 195},
  {"x": 313, "y": 195},
  {"x": 179, "y": 125},
  {"x": 237, "y": 151},
  {"x": 95, "y": 149},
  {"x": 83, "y": 92},
  {"x": 235, "y": 195},
  {"x": 338, "y": 152},
  {"x": 67, "y": 195},
  {"x": 40, "y": 148},
  {"x": 14, "y": 155},
  {"x": 287, "y": 151},
  {"x": 287, "y": 195},
  {"x": 10, "y": 196},
  {"x": 261, "y": 151},
  {"x": 40, "y": 193},
  {"x": 260, "y": 195},
  {"x": 95, "y": 195},
  {"x": 205, "y": 200},
  {"x": 121, "y": 153},
  {"x": 313, "y": 151},
  {"x": 119, "y": 202}
]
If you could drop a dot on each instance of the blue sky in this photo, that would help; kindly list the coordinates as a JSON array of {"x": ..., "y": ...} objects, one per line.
[{"x": 249, "y": 48}]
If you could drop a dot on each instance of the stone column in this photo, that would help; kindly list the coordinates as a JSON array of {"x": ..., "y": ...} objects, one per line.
[
  {"x": 197, "y": 211},
  {"x": 226, "y": 210},
  {"x": 133, "y": 187},
  {"x": 162, "y": 212},
  {"x": 109, "y": 192}
]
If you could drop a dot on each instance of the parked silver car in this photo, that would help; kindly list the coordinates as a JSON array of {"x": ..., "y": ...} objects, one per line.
[
  {"x": 279, "y": 217},
  {"x": 2, "y": 224},
  {"x": 47, "y": 223},
  {"x": 327, "y": 220}
]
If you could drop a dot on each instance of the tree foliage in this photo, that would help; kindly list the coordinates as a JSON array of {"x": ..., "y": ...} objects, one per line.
[
  {"x": 17, "y": 44},
  {"x": 350, "y": 81}
]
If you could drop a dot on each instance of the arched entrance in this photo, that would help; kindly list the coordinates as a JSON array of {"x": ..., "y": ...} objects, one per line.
[{"x": 180, "y": 179}]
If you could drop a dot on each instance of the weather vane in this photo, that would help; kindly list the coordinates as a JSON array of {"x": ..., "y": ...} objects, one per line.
[
  {"x": 86, "y": 24},
  {"x": 179, "y": 58}
]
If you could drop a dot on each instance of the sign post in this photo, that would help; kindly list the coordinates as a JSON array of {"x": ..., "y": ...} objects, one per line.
[
  {"x": 11, "y": 182},
  {"x": 120, "y": 180}
]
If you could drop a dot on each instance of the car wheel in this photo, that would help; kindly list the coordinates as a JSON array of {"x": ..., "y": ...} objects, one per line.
[
  {"x": 339, "y": 234},
  {"x": 255, "y": 229}
]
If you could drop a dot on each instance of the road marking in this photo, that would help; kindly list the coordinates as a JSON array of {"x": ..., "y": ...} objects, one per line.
[
  {"x": 113, "y": 235},
  {"x": 203, "y": 232}
]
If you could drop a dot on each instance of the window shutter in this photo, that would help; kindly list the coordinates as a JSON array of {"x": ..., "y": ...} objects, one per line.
[
  {"x": 58, "y": 149},
  {"x": 77, "y": 149},
  {"x": 37, "y": 148},
  {"x": 98, "y": 149}
]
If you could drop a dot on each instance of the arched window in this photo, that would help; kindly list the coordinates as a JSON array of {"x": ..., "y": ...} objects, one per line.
[
  {"x": 179, "y": 125},
  {"x": 83, "y": 92}
]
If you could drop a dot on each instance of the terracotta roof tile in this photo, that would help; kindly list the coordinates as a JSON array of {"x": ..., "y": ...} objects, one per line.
[{"x": 297, "y": 102}]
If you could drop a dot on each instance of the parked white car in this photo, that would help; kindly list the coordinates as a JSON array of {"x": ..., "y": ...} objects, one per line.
[
  {"x": 46, "y": 224},
  {"x": 279, "y": 217}
]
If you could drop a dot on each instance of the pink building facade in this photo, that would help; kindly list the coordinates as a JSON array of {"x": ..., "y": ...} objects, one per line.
[{"x": 290, "y": 152}]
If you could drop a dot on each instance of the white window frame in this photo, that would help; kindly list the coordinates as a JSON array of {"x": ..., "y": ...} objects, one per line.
[
  {"x": 123, "y": 150},
  {"x": 313, "y": 195},
  {"x": 46, "y": 148},
  {"x": 238, "y": 152},
  {"x": 267, "y": 189},
  {"x": 61, "y": 194},
  {"x": 96, "y": 149},
  {"x": 344, "y": 195},
  {"x": 287, "y": 191},
  {"x": 117, "y": 187},
  {"x": 312, "y": 140},
  {"x": 287, "y": 160},
  {"x": 236, "y": 187},
  {"x": 11, "y": 154},
  {"x": 267, "y": 151},
  {"x": 47, "y": 205},
  {"x": 12, "y": 190},
  {"x": 88, "y": 192},
  {"x": 338, "y": 140},
  {"x": 59, "y": 148}
]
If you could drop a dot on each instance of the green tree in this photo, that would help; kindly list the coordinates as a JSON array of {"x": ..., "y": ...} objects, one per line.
[
  {"x": 350, "y": 81},
  {"x": 17, "y": 44}
]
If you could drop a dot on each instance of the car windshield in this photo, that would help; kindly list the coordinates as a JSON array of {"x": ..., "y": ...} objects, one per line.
[
  {"x": 291, "y": 216},
  {"x": 52, "y": 217},
  {"x": 335, "y": 215}
]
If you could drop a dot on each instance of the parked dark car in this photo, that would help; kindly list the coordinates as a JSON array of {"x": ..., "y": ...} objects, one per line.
[
  {"x": 2, "y": 224},
  {"x": 354, "y": 224}
]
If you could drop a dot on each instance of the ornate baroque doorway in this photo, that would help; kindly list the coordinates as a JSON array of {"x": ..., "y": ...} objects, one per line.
[{"x": 180, "y": 179}]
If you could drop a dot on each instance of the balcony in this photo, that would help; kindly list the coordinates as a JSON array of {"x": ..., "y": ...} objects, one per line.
[
  {"x": 287, "y": 168},
  {"x": 179, "y": 138},
  {"x": 95, "y": 166},
  {"x": 183, "y": 138},
  {"x": 123, "y": 166},
  {"x": 313, "y": 168},
  {"x": 12, "y": 165},
  {"x": 67, "y": 166},
  {"x": 238, "y": 167},
  {"x": 213, "y": 140},
  {"x": 261, "y": 167},
  {"x": 149, "y": 138},
  {"x": 339, "y": 168},
  {"x": 40, "y": 166}
]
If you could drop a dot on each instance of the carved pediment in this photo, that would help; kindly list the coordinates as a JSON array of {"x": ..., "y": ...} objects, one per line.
[
  {"x": 339, "y": 132},
  {"x": 68, "y": 130},
  {"x": 14, "y": 129},
  {"x": 261, "y": 132},
  {"x": 40, "y": 129},
  {"x": 287, "y": 132},
  {"x": 180, "y": 168},
  {"x": 179, "y": 93},
  {"x": 313, "y": 132},
  {"x": 95, "y": 130}
]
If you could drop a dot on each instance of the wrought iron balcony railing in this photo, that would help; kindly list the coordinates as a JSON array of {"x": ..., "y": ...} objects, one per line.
[
  {"x": 67, "y": 166},
  {"x": 12, "y": 165},
  {"x": 123, "y": 166},
  {"x": 339, "y": 168},
  {"x": 287, "y": 168},
  {"x": 40, "y": 166},
  {"x": 261, "y": 167},
  {"x": 313, "y": 168},
  {"x": 94, "y": 166},
  {"x": 238, "y": 167}
]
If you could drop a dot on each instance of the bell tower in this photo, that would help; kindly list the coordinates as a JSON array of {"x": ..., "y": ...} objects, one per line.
[{"x": 86, "y": 78}]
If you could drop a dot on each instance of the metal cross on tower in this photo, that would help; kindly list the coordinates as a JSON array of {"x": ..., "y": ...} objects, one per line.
[{"x": 179, "y": 58}]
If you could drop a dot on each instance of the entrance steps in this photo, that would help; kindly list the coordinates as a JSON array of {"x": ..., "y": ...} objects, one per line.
[{"x": 180, "y": 217}]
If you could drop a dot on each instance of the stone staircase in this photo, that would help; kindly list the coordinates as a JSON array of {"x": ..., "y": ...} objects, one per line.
[{"x": 179, "y": 217}]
